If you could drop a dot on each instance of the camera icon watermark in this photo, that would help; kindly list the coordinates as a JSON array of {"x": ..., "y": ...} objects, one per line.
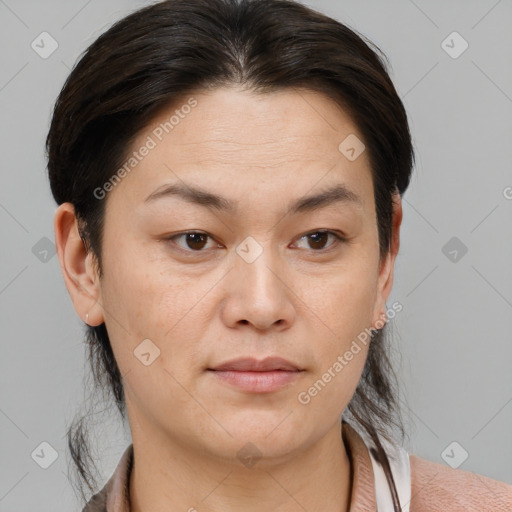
[
  {"x": 454, "y": 45},
  {"x": 44, "y": 45},
  {"x": 249, "y": 250},
  {"x": 454, "y": 249},
  {"x": 351, "y": 147},
  {"x": 454, "y": 454},
  {"x": 44, "y": 249},
  {"x": 146, "y": 352},
  {"x": 44, "y": 455},
  {"x": 249, "y": 455}
]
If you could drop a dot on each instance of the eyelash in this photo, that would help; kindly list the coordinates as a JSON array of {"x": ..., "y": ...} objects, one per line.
[{"x": 339, "y": 239}]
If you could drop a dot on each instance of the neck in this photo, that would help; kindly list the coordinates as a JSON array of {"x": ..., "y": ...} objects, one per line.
[{"x": 168, "y": 477}]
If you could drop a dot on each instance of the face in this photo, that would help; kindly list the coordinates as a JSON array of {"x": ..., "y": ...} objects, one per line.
[{"x": 214, "y": 250}]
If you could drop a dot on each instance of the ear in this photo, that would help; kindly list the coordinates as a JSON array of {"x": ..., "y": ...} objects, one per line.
[
  {"x": 386, "y": 272},
  {"x": 78, "y": 267}
]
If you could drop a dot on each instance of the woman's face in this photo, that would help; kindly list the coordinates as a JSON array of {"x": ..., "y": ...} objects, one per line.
[{"x": 258, "y": 281}]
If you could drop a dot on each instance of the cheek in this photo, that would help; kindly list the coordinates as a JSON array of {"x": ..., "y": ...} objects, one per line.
[
  {"x": 146, "y": 300},
  {"x": 134, "y": 286},
  {"x": 343, "y": 301},
  {"x": 342, "y": 309}
]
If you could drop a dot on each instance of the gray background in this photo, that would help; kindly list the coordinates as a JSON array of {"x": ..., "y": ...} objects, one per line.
[{"x": 454, "y": 333}]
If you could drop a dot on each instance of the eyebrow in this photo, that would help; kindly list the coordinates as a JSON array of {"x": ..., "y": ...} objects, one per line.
[{"x": 195, "y": 195}]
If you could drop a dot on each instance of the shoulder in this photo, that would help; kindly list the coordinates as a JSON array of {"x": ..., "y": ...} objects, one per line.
[{"x": 436, "y": 487}]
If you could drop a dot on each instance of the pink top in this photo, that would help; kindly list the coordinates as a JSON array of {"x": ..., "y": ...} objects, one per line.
[{"x": 426, "y": 486}]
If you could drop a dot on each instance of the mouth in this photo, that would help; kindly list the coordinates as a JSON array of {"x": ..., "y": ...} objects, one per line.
[
  {"x": 251, "y": 364},
  {"x": 255, "y": 376}
]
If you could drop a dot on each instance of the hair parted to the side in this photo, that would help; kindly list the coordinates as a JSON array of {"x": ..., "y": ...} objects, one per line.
[{"x": 167, "y": 50}]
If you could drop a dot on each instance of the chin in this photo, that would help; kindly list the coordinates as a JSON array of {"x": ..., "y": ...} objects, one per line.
[{"x": 273, "y": 436}]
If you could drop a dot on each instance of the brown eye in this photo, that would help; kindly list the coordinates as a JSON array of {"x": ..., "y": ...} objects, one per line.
[
  {"x": 317, "y": 240},
  {"x": 193, "y": 241}
]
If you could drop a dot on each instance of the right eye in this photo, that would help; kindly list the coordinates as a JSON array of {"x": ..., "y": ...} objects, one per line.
[{"x": 194, "y": 241}]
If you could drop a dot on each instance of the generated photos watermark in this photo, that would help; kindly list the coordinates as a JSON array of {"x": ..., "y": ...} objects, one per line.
[
  {"x": 304, "y": 397},
  {"x": 157, "y": 135}
]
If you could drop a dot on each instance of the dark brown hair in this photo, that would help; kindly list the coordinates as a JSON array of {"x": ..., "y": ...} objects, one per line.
[{"x": 152, "y": 57}]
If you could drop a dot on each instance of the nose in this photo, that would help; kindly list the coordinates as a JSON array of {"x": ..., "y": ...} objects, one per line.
[{"x": 258, "y": 290}]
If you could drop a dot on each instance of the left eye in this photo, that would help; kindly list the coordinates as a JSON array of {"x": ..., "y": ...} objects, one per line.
[{"x": 318, "y": 239}]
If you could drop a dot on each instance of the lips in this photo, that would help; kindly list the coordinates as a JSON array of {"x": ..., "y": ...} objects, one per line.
[
  {"x": 268, "y": 364},
  {"x": 250, "y": 375}
]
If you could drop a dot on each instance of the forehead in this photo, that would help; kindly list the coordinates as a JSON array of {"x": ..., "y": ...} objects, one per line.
[
  {"x": 283, "y": 121},
  {"x": 233, "y": 139}
]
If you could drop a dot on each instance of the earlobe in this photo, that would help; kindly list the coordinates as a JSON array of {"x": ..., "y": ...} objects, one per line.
[{"x": 76, "y": 264}]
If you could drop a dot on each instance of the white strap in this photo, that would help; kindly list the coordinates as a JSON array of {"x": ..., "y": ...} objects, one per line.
[{"x": 401, "y": 469}]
